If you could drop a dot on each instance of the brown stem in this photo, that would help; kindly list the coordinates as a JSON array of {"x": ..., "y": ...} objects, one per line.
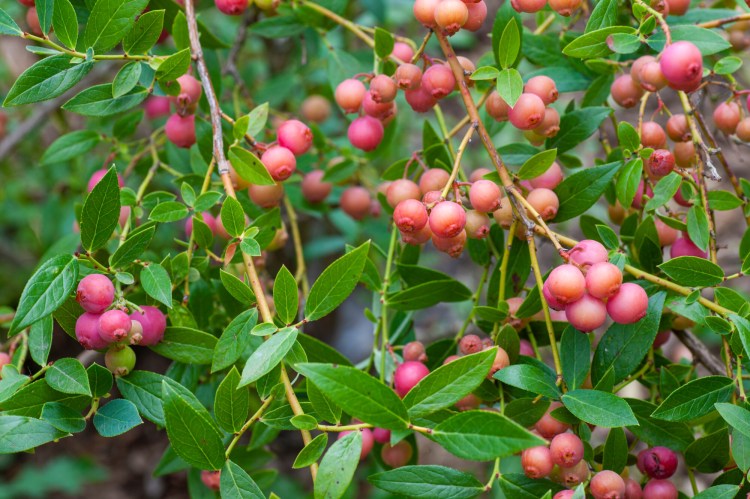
[
  {"x": 727, "y": 20},
  {"x": 701, "y": 353}
]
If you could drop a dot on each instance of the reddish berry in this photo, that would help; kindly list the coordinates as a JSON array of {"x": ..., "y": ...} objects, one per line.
[
  {"x": 526, "y": 348},
  {"x": 207, "y": 218},
  {"x": 662, "y": 338},
  {"x": 295, "y": 136},
  {"x": 639, "y": 193},
  {"x": 401, "y": 190},
  {"x": 632, "y": 489},
  {"x": 528, "y": 112},
  {"x": 410, "y": 216},
  {"x": 408, "y": 76},
  {"x": 536, "y": 462},
  {"x": 438, "y": 80},
  {"x": 677, "y": 128},
  {"x": 571, "y": 477},
  {"x": 355, "y": 201},
  {"x": 402, "y": 51},
  {"x": 365, "y": 133},
  {"x": 87, "y": 332},
  {"x": 420, "y": 100},
  {"x": 607, "y": 485},
  {"x": 566, "y": 449},
  {"x": 564, "y": 494},
  {"x": 477, "y": 224},
  {"x": 485, "y": 195},
  {"x": 479, "y": 174},
  {"x": 407, "y": 375},
  {"x": 550, "y": 125},
  {"x": 548, "y": 426},
  {"x": 638, "y": 65},
  {"x": 414, "y": 350},
  {"x": 625, "y": 91},
  {"x": 528, "y": 6},
  {"x": 190, "y": 93},
  {"x": 397, "y": 455},
  {"x": 451, "y": 15},
  {"x": 417, "y": 238},
  {"x": 652, "y": 135},
  {"x": 231, "y": 7},
  {"x": 367, "y": 441},
  {"x": 743, "y": 130},
  {"x": 496, "y": 107},
  {"x": 477, "y": 16},
  {"x": 727, "y": 116},
  {"x": 660, "y": 163},
  {"x": 381, "y": 435},
  {"x": 628, "y": 305},
  {"x": 156, "y": 107},
  {"x": 504, "y": 213},
  {"x": 667, "y": 235},
  {"x": 603, "y": 279},
  {"x": 651, "y": 77},
  {"x": 349, "y": 95},
  {"x": 447, "y": 219},
  {"x": 32, "y": 21},
  {"x": 549, "y": 179},
  {"x": 682, "y": 65},
  {"x": 314, "y": 188},
  {"x": 4, "y": 361},
  {"x": 424, "y": 12},
  {"x": 501, "y": 362},
  {"x": 565, "y": 7},
  {"x": 566, "y": 284},
  {"x": 135, "y": 335},
  {"x": 545, "y": 202},
  {"x": 468, "y": 403},
  {"x": 379, "y": 110},
  {"x": 280, "y": 162},
  {"x": 211, "y": 479},
  {"x": 433, "y": 179},
  {"x": 120, "y": 360},
  {"x": 383, "y": 89},
  {"x": 154, "y": 323},
  {"x": 550, "y": 299},
  {"x": 586, "y": 314},
  {"x": 684, "y": 154},
  {"x": 657, "y": 462},
  {"x": 683, "y": 246},
  {"x": 180, "y": 130},
  {"x": 315, "y": 108},
  {"x": 98, "y": 175},
  {"x": 678, "y": 7},
  {"x": 452, "y": 246},
  {"x": 471, "y": 343},
  {"x": 95, "y": 293},
  {"x": 266, "y": 196},
  {"x": 660, "y": 489},
  {"x": 114, "y": 325},
  {"x": 27, "y": 3},
  {"x": 543, "y": 87},
  {"x": 588, "y": 252}
]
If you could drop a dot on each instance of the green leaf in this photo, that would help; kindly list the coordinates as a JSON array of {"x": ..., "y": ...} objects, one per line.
[
  {"x": 676, "y": 436},
  {"x": 723, "y": 200},
  {"x": 257, "y": 119},
  {"x": 109, "y": 21},
  {"x": 19, "y": 433},
  {"x": 101, "y": 212},
  {"x": 485, "y": 73},
  {"x": 604, "y": 15},
  {"x": 726, "y": 491},
  {"x": 68, "y": 376},
  {"x": 336, "y": 283},
  {"x": 625, "y": 43},
  {"x": 530, "y": 378},
  {"x": 615, "y": 455},
  {"x": 235, "y": 483},
  {"x": 575, "y": 357},
  {"x": 238, "y": 289},
  {"x": 510, "y": 45},
  {"x": 63, "y": 417},
  {"x": 626, "y": 133},
  {"x": 143, "y": 388},
  {"x": 145, "y": 33},
  {"x": 594, "y": 43},
  {"x": 509, "y": 85},
  {"x": 126, "y": 79},
  {"x": 580, "y": 191},
  {"x": 695, "y": 399},
  {"x": 174, "y": 66},
  {"x": 304, "y": 422},
  {"x": 537, "y": 164},
  {"x": 168, "y": 211},
  {"x": 311, "y": 452},
  {"x": 449, "y": 383},
  {"x": 427, "y": 481},
  {"x": 285, "y": 295},
  {"x": 358, "y": 394},
  {"x": 664, "y": 191},
  {"x": 482, "y": 436},
  {"x": 8, "y": 26},
  {"x": 187, "y": 345},
  {"x": 232, "y": 404},
  {"x": 40, "y": 340},
  {"x": 248, "y": 166},
  {"x": 100, "y": 380},
  {"x": 519, "y": 486},
  {"x": 268, "y": 355},
  {"x": 693, "y": 271},
  {"x": 708, "y": 41},
  {"x": 608, "y": 236},
  {"x": 324, "y": 408},
  {"x": 599, "y": 408},
  {"x": 709, "y": 453},
  {"x": 156, "y": 283},
  {"x": 132, "y": 248},
  {"x": 99, "y": 100},
  {"x": 71, "y": 145},
  {"x": 727, "y": 65},
  {"x": 628, "y": 180},
  {"x": 428, "y": 294},
  {"x": 338, "y": 466},
  {"x": 191, "y": 431},
  {"x": 576, "y": 126},
  {"x": 46, "y": 79},
  {"x": 737, "y": 417},
  {"x": 45, "y": 291},
  {"x": 116, "y": 417},
  {"x": 383, "y": 43},
  {"x": 233, "y": 217},
  {"x": 234, "y": 340},
  {"x": 697, "y": 225},
  {"x": 65, "y": 21}
]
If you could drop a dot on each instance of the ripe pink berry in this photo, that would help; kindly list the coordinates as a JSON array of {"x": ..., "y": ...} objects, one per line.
[
  {"x": 397, "y": 455},
  {"x": 566, "y": 449},
  {"x": 485, "y": 195},
  {"x": 414, "y": 350},
  {"x": 607, "y": 485},
  {"x": 447, "y": 219},
  {"x": 536, "y": 462},
  {"x": 190, "y": 93},
  {"x": 526, "y": 348},
  {"x": 545, "y": 202},
  {"x": 478, "y": 174},
  {"x": 95, "y": 293},
  {"x": 496, "y": 107},
  {"x": 566, "y": 284},
  {"x": 653, "y": 135},
  {"x": 639, "y": 193},
  {"x": 743, "y": 130},
  {"x": 727, "y": 116},
  {"x": 667, "y": 235},
  {"x": 424, "y": 12},
  {"x": 683, "y": 246},
  {"x": 638, "y": 65},
  {"x": 528, "y": 112},
  {"x": 410, "y": 216},
  {"x": 114, "y": 325},
  {"x": 266, "y": 196},
  {"x": 504, "y": 213},
  {"x": 211, "y": 479},
  {"x": 678, "y": 8},
  {"x": 543, "y": 87},
  {"x": 401, "y": 190},
  {"x": 407, "y": 375},
  {"x": 677, "y": 128},
  {"x": 528, "y": 6},
  {"x": 628, "y": 305},
  {"x": 381, "y": 435},
  {"x": 438, "y": 80},
  {"x": 571, "y": 477},
  {"x": 420, "y": 100},
  {"x": 367, "y": 441},
  {"x": 295, "y": 136},
  {"x": 682, "y": 65},
  {"x": 156, "y": 107},
  {"x": 548, "y": 426},
  {"x": 564, "y": 494},
  {"x": 477, "y": 224},
  {"x": 27, "y": 3},
  {"x": 452, "y": 246},
  {"x": 180, "y": 130},
  {"x": 402, "y": 51},
  {"x": 501, "y": 361},
  {"x": 632, "y": 489},
  {"x": 603, "y": 279},
  {"x": 315, "y": 108},
  {"x": 660, "y": 163},
  {"x": 549, "y": 127},
  {"x": 550, "y": 299},
  {"x": 379, "y": 110},
  {"x": 97, "y": 176},
  {"x": 684, "y": 154},
  {"x": 279, "y": 161},
  {"x": 657, "y": 462},
  {"x": 87, "y": 332},
  {"x": 383, "y": 89},
  {"x": 433, "y": 179},
  {"x": 355, "y": 201},
  {"x": 408, "y": 76},
  {"x": 588, "y": 252},
  {"x": 586, "y": 314},
  {"x": 625, "y": 91},
  {"x": 549, "y": 179},
  {"x": 349, "y": 95},
  {"x": 451, "y": 15},
  {"x": 417, "y": 238},
  {"x": 651, "y": 77},
  {"x": 231, "y": 7},
  {"x": 154, "y": 323},
  {"x": 662, "y": 338},
  {"x": 565, "y": 7},
  {"x": 660, "y": 489},
  {"x": 477, "y": 16},
  {"x": 314, "y": 188},
  {"x": 209, "y": 220},
  {"x": 365, "y": 133},
  {"x": 471, "y": 343}
]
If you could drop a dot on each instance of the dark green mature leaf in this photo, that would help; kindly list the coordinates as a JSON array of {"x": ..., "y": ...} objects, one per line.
[
  {"x": 101, "y": 212},
  {"x": 156, "y": 283},
  {"x": 65, "y": 21},
  {"x": 664, "y": 191},
  {"x": 577, "y": 126},
  {"x": 537, "y": 164},
  {"x": 626, "y": 133},
  {"x": 599, "y": 408},
  {"x": 174, "y": 66},
  {"x": 338, "y": 466},
  {"x": 519, "y": 486},
  {"x": 483, "y": 435},
  {"x": 428, "y": 294},
  {"x": 100, "y": 380},
  {"x": 336, "y": 283},
  {"x": 232, "y": 404},
  {"x": 45, "y": 291},
  {"x": 238, "y": 289},
  {"x": 358, "y": 394},
  {"x": 428, "y": 482},
  {"x": 187, "y": 345},
  {"x": 383, "y": 43},
  {"x": 695, "y": 399},
  {"x": 581, "y": 190},
  {"x": 19, "y": 433},
  {"x": 670, "y": 434},
  {"x": 615, "y": 455},
  {"x": 71, "y": 145},
  {"x": 449, "y": 383},
  {"x": 40, "y": 340},
  {"x": 234, "y": 340},
  {"x": 235, "y": 483},
  {"x": 99, "y": 100},
  {"x": 708, "y": 41},
  {"x": 709, "y": 453},
  {"x": 126, "y": 79},
  {"x": 132, "y": 248},
  {"x": 268, "y": 355},
  {"x": 604, "y": 15},
  {"x": 725, "y": 491},
  {"x": 8, "y": 26},
  {"x": 143, "y": 388},
  {"x": 278, "y": 27},
  {"x": 168, "y": 211},
  {"x": 311, "y": 452},
  {"x": 63, "y": 417},
  {"x": 575, "y": 357},
  {"x": 46, "y": 79},
  {"x": 285, "y": 295},
  {"x": 109, "y": 21},
  {"x": 737, "y": 417},
  {"x": 191, "y": 431},
  {"x": 30, "y": 400},
  {"x": 233, "y": 217},
  {"x": 145, "y": 33},
  {"x": 324, "y": 408},
  {"x": 11, "y": 381},
  {"x": 116, "y": 417},
  {"x": 628, "y": 180},
  {"x": 693, "y": 271},
  {"x": 623, "y": 346},
  {"x": 248, "y": 166},
  {"x": 697, "y": 225},
  {"x": 68, "y": 376},
  {"x": 594, "y": 43},
  {"x": 530, "y": 378}
]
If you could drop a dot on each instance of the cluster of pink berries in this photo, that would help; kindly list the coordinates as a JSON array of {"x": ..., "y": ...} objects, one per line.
[
  {"x": 180, "y": 127},
  {"x": 589, "y": 288},
  {"x": 101, "y": 327},
  {"x": 531, "y": 112},
  {"x": 450, "y": 16},
  {"x": 562, "y": 7}
]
